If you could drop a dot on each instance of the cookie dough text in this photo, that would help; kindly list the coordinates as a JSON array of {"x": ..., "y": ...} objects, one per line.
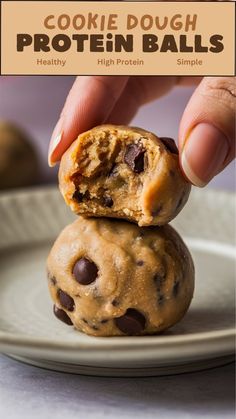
[{"x": 111, "y": 22}]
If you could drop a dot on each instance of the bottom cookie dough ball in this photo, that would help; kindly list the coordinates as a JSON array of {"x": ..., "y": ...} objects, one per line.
[
  {"x": 18, "y": 161},
  {"x": 111, "y": 278}
]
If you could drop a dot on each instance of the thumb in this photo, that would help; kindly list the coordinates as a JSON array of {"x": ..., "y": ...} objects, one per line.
[{"x": 207, "y": 130}]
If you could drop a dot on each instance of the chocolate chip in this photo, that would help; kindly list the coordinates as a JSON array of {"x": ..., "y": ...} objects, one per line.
[
  {"x": 115, "y": 303},
  {"x": 85, "y": 271},
  {"x": 104, "y": 321},
  {"x": 170, "y": 144},
  {"x": 131, "y": 323},
  {"x": 62, "y": 315},
  {"x": 66, "y": 301},
  {"x": 107, "y": 201},
  {"x": 176, "y": 288},
  {"x": 180, "y": 202},
  {"x": 113, "y": 171},
  {"x": 158, "y": 279},
  {"x": 95, "y": 327},
  {"x": 53, "y": 280},
  {"x": 161, "y": 299},
  {"x": 134, "y": 157},
  {"x": 140, "y": 262},
  {"x": 157, "y": 211},
  {"x": 78, "y": 196}
]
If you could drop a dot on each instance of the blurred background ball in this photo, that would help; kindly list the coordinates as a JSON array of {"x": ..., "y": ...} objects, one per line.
[{"x": 18, "y": 160}]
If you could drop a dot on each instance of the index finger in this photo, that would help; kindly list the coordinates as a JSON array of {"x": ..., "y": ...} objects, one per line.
[{"x": 88, "y": 104}]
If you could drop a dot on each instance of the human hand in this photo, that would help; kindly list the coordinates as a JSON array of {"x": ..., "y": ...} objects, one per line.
[{"x": 207, "y": 129}]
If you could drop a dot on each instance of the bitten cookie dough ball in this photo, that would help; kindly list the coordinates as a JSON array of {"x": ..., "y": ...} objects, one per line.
[
  {"x": 111, "y": 278},
  {"x": 18, "y": 161},
  {"x": 123, "y": 172}
]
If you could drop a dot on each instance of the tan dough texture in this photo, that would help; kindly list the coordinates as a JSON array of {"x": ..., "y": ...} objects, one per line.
[
  {"x": 18, "y": 161},
  {"x": 123, "y": 172},
  {"x": 149, "y": 270}
]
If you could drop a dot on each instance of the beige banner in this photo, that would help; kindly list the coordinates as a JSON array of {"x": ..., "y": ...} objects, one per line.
[{"x": 117, "y": 38}]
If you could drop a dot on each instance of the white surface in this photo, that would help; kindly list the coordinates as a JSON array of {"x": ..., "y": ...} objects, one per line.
[
  {"x": 28, "y": 328},
  {"x": 31, "y": 393}
]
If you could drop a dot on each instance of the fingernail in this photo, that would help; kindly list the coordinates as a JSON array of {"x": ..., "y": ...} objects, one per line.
[
  {"x": 204, "y": 153},
  {"x": 55, "y": 140}
]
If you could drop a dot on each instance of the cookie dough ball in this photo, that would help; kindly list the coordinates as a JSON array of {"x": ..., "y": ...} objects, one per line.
[
  {"x": 123, "y": 172},
  {"x": 18, "y": 161},
  {"x": 111, "y": 278}
]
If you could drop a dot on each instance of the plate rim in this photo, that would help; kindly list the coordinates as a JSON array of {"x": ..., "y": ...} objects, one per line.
[
  {"x": 124, "y": 371},
  {"x": 137, "y": 342}
]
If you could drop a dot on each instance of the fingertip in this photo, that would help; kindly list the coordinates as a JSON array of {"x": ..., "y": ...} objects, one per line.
[
  {"x": 189, "y": 173},
  {"x": 53, "y": 156},
  {"x": 51, "y": 162},
  {"x": 203, "y": 154}
]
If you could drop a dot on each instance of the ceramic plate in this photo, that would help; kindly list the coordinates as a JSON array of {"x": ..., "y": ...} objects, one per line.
[{"x": 29, "y": 223}]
